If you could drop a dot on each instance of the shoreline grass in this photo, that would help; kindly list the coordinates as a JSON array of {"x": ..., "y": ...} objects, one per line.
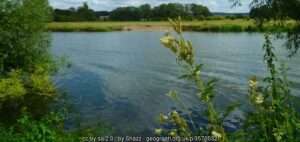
[{"x": 226, "y": 25}]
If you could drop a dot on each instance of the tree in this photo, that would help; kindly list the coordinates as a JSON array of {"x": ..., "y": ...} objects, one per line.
[
  {"x": 281, "y": 11},
  {"x": 84, "y": 13},
  {"x": 199, "y": 11},
  {"x": 23, "y": 42},
  {"x": 126, "y": 14},
  {"x": 146, "y": 12},
  {"x": 64, "y": 15},
  {"x": 170, "y": 10},
  {"x": 25, "y": 61}
]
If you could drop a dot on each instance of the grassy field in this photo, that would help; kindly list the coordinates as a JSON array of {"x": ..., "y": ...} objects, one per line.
[{"x": 225, "y": 25}]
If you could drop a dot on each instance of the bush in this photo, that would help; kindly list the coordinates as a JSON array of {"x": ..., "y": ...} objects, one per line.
[
  {"x": 47, "y": 129},
  {"x": 25, "y": 60},
  {"x": 27, "y": 93},
  {"x": 23, "y": 41}
]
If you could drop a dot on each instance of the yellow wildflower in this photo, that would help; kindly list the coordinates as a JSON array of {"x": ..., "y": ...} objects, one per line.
[
  {"x": 174, "y": 112},
  {"x": 163, "y": 118},
  {"x": 216, "y": 134},
  {"x": 259, "y": 99},
  {"x": 158, "y": 131},
  {"x": 253, "y": 83},
  {"x": 167, "y": 40},
  {"x": 173, "y": 134}
]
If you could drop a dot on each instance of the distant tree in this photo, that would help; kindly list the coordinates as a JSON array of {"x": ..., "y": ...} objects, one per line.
[
  {"x": 261, "y": 12},
  {"x": 131, "y": 13},
  {"x": 64, "y": 15},
  {"x": 102, "y": 15},
  {"x": 146, "y": 12},
  {"x": 126, "y": 14},
  {"x": 84, "y": 13},
  {"x": 171, "y": 10},
  {"x": 199, "y": 11}
]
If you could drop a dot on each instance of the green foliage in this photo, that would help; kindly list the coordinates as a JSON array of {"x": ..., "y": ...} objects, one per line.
[
  {"x": 199, "y": 11},
  {"x": 40, "y": 82},
  {"x": 32, "y": 91},
  {"x": 173, "y": 10},
  {"x": 82, "y": 13},
  {"x": 126, "y": 14},
  {"x": 27, "y": 93},
  {"x": 11, "y": 87},
  {"x": 23, "y": 42},
  {"x": 47, "y": 129},
  {"x": 276, "y": 9},
  {"x": 146, "y": 12},
  {"x": 131, "y": 13},
  {"x": 85, "y": 13},
  {"x": 272, "y": 117},
  {"x": 25, "y": 60},
  {"x": 279, "y": 10},
  {"x": 205, "y": 90}
]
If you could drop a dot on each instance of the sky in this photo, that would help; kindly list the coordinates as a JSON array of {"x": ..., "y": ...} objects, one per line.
[{"x": 99, "y": 5}]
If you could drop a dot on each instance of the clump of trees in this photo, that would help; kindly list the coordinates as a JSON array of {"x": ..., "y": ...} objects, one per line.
[
  {"x": 172, "y": 10},
  {"x": 141, "y": 13},
  {"x": 82, "y": 13},
  {"x": 162, "y": 12}
]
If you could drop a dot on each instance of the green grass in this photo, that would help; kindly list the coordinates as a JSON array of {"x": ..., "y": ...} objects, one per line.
[{"x": 225, "y": 25}]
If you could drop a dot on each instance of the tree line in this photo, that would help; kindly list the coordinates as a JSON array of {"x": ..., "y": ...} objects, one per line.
[{"x": 130, "y": 13}]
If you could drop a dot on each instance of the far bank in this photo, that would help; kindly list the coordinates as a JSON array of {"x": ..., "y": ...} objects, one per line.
[{"x": 226, "y": 25}]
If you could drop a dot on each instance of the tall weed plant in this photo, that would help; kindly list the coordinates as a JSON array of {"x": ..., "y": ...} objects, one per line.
[{"x": 271, "y": 118}]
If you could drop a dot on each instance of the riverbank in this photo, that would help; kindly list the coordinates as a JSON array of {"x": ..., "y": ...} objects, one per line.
[{"x": 239, "y": 25}]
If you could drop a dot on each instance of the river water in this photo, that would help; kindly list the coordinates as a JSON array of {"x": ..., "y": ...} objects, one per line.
[{"x": 123, "y": 77}]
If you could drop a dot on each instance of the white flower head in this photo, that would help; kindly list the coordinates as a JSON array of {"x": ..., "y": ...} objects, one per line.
[
  {"x": 253, "y": 83},
  {"x": 174, "y": 113},
  {"x": 198, "y": 72},
  {"x": 158, "y": 131},
  {"x": 165, "y": 117},
  {"x": 172, "y": 134},
  {"x": 259, "y": 99},
  {"x": 216, "y": 134},
  {"x": 166, "y": 40}
]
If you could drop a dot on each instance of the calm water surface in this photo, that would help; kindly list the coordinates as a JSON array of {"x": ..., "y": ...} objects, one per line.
[{"x": 122, "y": 77}]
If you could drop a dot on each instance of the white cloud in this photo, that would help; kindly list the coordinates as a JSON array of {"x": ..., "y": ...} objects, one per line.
[{"x": 213, "y": 5}]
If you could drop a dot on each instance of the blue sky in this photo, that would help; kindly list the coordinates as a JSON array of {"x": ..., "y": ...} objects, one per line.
[{"x": 213, "y": 5}]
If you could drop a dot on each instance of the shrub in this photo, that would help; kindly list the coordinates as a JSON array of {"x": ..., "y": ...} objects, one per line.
[{"x": 23, "y": 42}]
